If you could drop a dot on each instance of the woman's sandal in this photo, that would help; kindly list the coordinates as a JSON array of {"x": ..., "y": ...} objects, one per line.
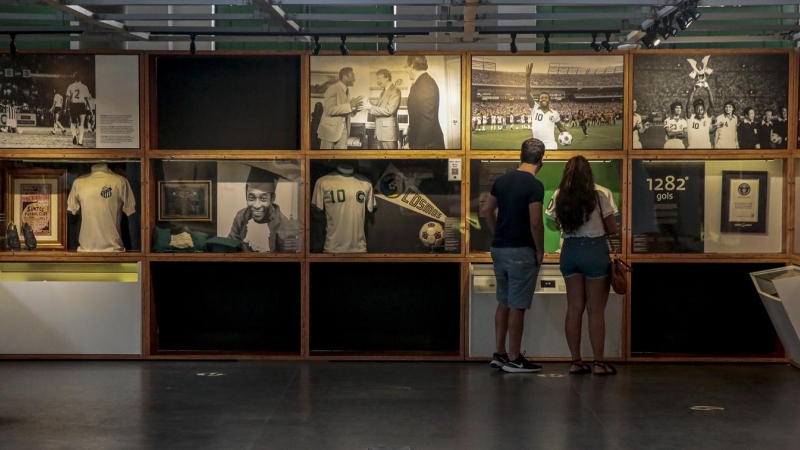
[
  {"x": 609, "y": 369},
  {"x": 584, "y": 368}
]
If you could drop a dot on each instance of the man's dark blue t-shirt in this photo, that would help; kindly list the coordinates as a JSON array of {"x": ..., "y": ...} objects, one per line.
[{"x": 514, "y": 191}]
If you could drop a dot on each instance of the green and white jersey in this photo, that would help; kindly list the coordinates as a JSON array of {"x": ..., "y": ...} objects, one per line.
[{"x": 345, "y": 200}]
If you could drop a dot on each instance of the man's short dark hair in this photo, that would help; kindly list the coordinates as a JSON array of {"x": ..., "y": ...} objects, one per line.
[
  {"x": 768, "y": 110},
  {"x": 545, "y": 93},
  {"x": 344, "y": 71},
  {"x": 748, "y": 109},
  {"x": 532, "y": 151},
  {"x": 385, "y": 74},
  {"x": 698, "y": 102},
  {"x": 673, "y": 105},
  {"x": 733, "y": 105},
  {"x": 417, "y": 62}
]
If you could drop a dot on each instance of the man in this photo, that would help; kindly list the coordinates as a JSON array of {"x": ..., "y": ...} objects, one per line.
[
  {"x": 726, "y": 128},
  {"x": 765, "y": 129},
  {"x": 334, "y": 127},
  {"x": 517, "y": 252},
  {"x": 748, "y": 130},
  {"x": 55, "y": 109},
  {"x": 675, "y": 127},
  {"x": 781, "y": 128},
  {"x": 424, "y": 131},
  {"x": 260, "y": 226},
  {"x": 699, "y": 127},
  {"x": 385, "y": 111},
  {"x": 639, "y": 127},
  {"x": 77, "y": 105},
  {"x": 544, "y": 120}
]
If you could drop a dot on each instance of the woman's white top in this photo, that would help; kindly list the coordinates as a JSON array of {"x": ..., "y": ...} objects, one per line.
[{"x": 594, "y": 226}]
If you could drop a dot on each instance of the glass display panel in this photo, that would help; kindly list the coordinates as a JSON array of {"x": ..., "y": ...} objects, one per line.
[
  {"x": 385, "y": 206},
  {"x": 608, "y": 180},
  {"x": 386, "y": 102},
  {"x": 84, "y": 206},
  {"x": 567, "y": 102},
  {"x": 227, "y": 206},
  {"x": 69, "y": 101},
  {"x": 227, "y": 102},
  {"x": 706, "y": 100},
  {"x": 707, "y": 206},
  {"x": 797, "y": 206}
]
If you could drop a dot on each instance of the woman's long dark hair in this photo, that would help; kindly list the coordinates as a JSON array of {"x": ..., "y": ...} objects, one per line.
[{"x": 576, "y": 195}]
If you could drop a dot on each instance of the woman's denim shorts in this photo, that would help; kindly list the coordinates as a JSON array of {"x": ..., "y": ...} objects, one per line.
[{"x": 587, "y": 256}]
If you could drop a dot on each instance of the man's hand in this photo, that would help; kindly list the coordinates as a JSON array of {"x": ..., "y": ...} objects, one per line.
[
  {"x": 539, "y": 257},
  {"x": 528, "y": 69},
  {"x": 356, "y": 102}
]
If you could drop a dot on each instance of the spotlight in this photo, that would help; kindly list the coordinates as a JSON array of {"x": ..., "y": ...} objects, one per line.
[
  {"x": 692, "y": 11},
  {"x": 547, "y": 42},
  {"x": 595, "y": 46},
  {"x": 192, "y": 45},
  {"x": 343, "y": 48},
  {"x": 514, "y": 48},
  {"x": 607, "y": 44},
  {"x": 317, "y": 47},
  {"x": 651, "y": 39},
  {"x": 390, "y": 47},
  {"x": 683, "y": 19},
  {"x": 12, "y": 47},
  {"x": 666, "y": 30}
]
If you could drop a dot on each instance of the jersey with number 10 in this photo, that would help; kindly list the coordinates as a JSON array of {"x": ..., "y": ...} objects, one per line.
[
  {"x": 699, "y": 132},
  {"x": 544, "y": 124},
  {"x": 345, "y": 200}
]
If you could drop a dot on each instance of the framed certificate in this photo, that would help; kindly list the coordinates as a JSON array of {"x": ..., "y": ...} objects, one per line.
[
  {"x": 744, "y": 202},
  {"x": 188, "y": 201},
  {"x": 36, "y": 197}
]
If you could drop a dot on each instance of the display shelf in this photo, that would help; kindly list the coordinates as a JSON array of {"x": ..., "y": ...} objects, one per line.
[
  {"x": 71, "y": 154},
  {"x": 231, "y": 257},
  {"x": 385, "y": 356},
  {"x": 56, "y": 256}
]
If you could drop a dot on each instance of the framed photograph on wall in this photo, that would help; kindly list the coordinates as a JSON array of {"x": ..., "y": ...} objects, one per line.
[
  {"x": 744, "y": 202},
  {"x": 386, "y": 102},
  {"x": 188, "y": 201},
  {"x": 67, "y": 100},
  {"x": 36, "y": 197},
  {"x": 710, "y": 100},
  {"x": 569, "y": 102}
]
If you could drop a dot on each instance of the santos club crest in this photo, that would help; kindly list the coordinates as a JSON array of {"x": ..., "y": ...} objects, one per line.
[{"x": 106, "y": 192}]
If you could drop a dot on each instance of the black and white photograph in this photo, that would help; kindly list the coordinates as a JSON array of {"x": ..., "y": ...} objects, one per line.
[
  {"x": 69, "y": 101},
  {"x": 386, "y": 102},
  {"x": 567, "y": 102},
  {"x": 707, "y": 100},
  {"x": 258, "y": 204}
]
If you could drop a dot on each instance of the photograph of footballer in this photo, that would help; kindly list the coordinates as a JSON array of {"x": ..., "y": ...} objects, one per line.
[
  {"x": 567, "y": 102},
  {"x": 709, "y": 100},
  {"x": 51, "y": 101},
  {"x": 386, "y": 102}
]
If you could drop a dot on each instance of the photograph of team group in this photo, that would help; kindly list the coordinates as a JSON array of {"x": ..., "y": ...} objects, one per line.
[
  {"x": 386, "y": 102},
  {"x": 710, "y": 101},
  {"x": 567, "y": 102},
  {"x": 48, "y": 101}
]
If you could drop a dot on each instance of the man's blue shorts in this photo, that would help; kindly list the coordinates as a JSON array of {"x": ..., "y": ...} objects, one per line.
[{"x": 516, "y": 270}]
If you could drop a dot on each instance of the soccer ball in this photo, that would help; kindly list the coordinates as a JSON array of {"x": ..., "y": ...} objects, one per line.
[
  {"x": 432, "y": 234},
  {"x": 565, "y": 139},
  {"x": 775, "y": 138}
]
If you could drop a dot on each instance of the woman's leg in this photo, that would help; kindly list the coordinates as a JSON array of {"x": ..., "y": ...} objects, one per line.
[
  {"x": 576, "y": 303},
  {"x": 596, "y": 300}
]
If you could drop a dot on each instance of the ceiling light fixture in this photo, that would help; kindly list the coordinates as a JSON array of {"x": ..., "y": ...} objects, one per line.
[
  {"x": 547, "y": 42},
  {"x": 317, "y": 47},
  {"x": 390, "y": 47},
  {"x": 343, "y": 47},
  {"x": 595, "y": 46},
  {"x": 192, "y": 45},
  {"x": 514, "y": 48},
  {"x": 606, "y": 44}
]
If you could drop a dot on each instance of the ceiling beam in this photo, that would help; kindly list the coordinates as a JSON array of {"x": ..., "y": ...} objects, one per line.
[
  {"x": 88, "y": 17},
  {"x": 277, "y": 15}
]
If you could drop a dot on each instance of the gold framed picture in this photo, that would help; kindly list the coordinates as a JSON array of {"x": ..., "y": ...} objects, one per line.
[
  {"x": 188, "y": 201},
  {"x": 36, "y": 197}
]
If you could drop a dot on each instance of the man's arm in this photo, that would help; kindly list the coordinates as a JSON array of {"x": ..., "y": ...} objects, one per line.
[
  {"x": 531, "y": 101},
  {"x": 537, "y": 229},
  {"x": 332, "y": 105},
  {"x": 392, "y": 105},
  {"x": 561, "y": 126},
  {"x": 489, "y": 207}
]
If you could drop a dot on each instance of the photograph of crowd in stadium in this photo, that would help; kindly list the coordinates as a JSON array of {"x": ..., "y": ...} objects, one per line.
[
  {"x": 710, "y": 101},
  {"x": 47, "y": 101},
  {"x": 386, "y": 102},
  {"x": 568, "y": 102}
]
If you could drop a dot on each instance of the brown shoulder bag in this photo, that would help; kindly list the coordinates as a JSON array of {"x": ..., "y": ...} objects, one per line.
[{"x": 619, "y": 268}]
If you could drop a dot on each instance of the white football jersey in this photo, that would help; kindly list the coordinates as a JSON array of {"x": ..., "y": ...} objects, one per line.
[
  {"x": 637, "y": 120},
  {"x": 78, "y": 92},
  {"x": 544, "y": 125},
  {"x": 58, "y": 100},
  {"x": 594, "y": 227},
  {"x": 674, "y": 125},
  {"x": 727, "y": 137},
  {"x": 345, "y": 200},
  {"x": 101, "y": 196},
  {"x": 698, "y": 132}
]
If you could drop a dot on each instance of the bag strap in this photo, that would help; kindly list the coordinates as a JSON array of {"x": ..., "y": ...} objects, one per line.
[{"x": 603, "y": 221}]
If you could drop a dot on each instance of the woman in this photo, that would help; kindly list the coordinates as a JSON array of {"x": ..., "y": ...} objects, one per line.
[{"x": 580, "y": 211}]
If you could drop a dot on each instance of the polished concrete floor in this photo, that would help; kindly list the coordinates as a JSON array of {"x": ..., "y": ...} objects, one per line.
[{"x": 364, "y": 405}]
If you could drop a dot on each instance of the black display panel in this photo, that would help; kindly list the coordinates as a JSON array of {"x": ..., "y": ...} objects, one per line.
[
  {"x": 701, "y": 309},
  {"x": 215, "y": 306},
  {"x": 228, "y": 102},
  {"x": 371, "y": 307}
]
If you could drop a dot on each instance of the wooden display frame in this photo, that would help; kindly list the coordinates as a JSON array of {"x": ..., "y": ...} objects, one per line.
[
  {"x": 49, "y": 183},
  {"x": 148, "y": 154}
]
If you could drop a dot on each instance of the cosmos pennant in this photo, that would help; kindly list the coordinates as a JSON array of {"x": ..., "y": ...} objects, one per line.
[{"x": 394, "y": 187}]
